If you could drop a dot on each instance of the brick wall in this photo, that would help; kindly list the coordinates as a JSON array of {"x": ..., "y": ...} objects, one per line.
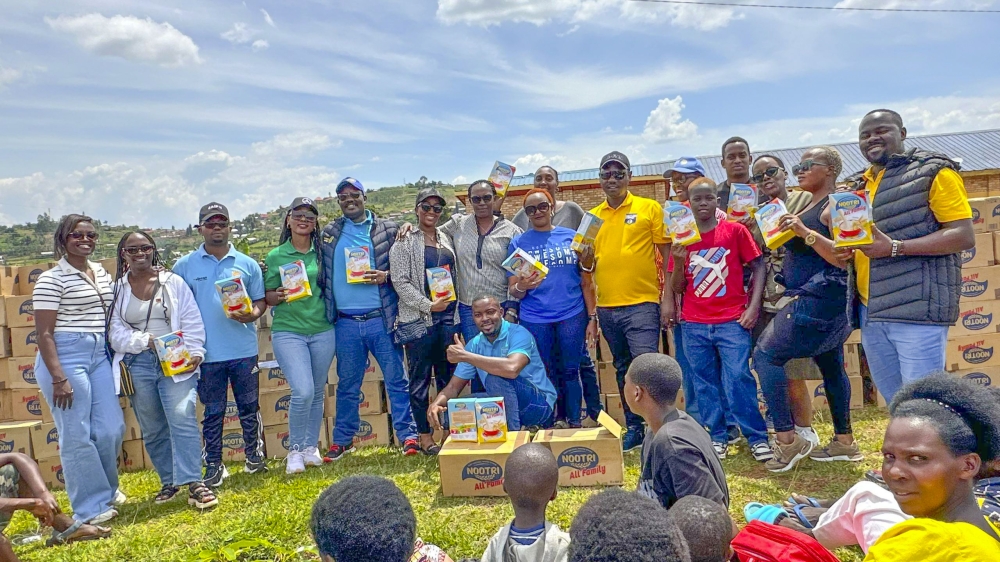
[{"x": 589, "y": 197}]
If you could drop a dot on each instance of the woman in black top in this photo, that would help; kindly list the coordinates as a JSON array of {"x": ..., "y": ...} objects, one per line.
[{"x": 811, "y": 320}]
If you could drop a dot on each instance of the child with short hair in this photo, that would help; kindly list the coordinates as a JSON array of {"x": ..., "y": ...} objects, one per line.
[
  {"x": 620, "y": 526},
  {"x": 531, "y": 477},
  {"x": 707, "y": 528},
  {"x": 718, "y": 316}
]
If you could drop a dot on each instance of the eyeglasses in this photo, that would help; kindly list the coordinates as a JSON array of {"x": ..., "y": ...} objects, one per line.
[
  {"x": 214, "y": 225},
  {"x": 427, "y": 208},
  {"x": 617, "y": 174},
  {"x": 477, "y": 199},
  {"x": 530, "y": 210},
  {"x": 304, "y": 217},
  {"x": 77, "y": 235},
  {"x": 768, "y": 173},
  {"x": 355, "y": 195},
  {"x": 806, "y": 166},
  {"x": 136, "y": 250}
]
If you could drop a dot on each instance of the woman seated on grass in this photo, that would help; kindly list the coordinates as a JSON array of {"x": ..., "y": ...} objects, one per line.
[{"x": 943, "y": 434}]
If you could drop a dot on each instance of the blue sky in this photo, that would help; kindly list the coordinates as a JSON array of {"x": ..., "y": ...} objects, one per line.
[{"x": 138, "y": 112}]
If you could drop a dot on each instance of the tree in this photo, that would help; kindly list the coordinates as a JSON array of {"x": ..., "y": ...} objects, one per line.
[
  {"x": 45, "y": 224},
  {"x": 189, "y": 231}
]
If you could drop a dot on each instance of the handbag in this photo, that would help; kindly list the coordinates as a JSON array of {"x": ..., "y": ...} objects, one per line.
[
  {"x": 127, "y": 386},
  {"x": 409, "y": 332}
]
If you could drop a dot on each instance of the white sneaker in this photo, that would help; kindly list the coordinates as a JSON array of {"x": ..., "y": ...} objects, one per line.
[
  {"x": 312, "y": 457},
  {"x": 809, "y": 434},
  {"x": 720, "y": 449},
  {"x": 119, "y": 499},
  {"x": 104, "y": 517},
  {"x": 294, "y": 463}
]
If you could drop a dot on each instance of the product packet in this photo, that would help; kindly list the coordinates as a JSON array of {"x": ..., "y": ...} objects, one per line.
[
  {"x": 173, "y": 353},
  {"x": 742, "y": 201},
  {"x": 358, "y": 263},
  {"x": 440, "y": 282},
  {"x": 462, "y": 420},
  {"x": 235, "y": 298},
  {"x": 680, "y": 223},
  {"x": 491, "y": 417},
  {"x": 767, "y": 221},
  {"x": 295, "y": 281},
  {"x": 523, "y": 264},
  {"x": 850, "y": 219}
]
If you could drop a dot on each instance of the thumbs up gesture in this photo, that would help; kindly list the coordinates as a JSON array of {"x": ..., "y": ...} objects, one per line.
[{"x": 456, "y": 351}]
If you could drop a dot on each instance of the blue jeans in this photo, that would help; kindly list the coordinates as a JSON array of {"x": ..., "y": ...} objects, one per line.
[
  {"x": 591, "y": 388},
  {"x": 559, "y": 345},
  {"x": 165, "y": 410},
  {"x": 526, "y": 405},
  {"x": 899, "y": 353},
  {"x": 630, "y": 331},
  {"x": 215, "y": 380},
  {"x": 91, "y": 430},
  {"x": 355, "y": 339},
  {"x": 719, "y": 356},
  {"x": 305, "y": 361}
]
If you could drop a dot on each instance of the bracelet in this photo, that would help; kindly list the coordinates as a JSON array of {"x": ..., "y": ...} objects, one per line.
[
  {"x": 585, "y": 270},
  {"x": 897, "y": 249},
  {"x": 60, "y": 381},
  {"x": 518, "y": 289}
]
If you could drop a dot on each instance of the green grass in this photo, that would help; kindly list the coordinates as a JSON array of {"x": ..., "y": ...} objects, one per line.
[{"x": 276, "y": 507}]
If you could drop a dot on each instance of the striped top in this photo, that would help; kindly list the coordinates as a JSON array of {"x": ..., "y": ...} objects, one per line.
[
  {"x": 479, "y": 257},
  {"x": 79, "y": 302}
]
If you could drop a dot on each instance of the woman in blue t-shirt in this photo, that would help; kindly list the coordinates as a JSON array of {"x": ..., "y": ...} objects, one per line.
[{"x": 559, "y": 309}]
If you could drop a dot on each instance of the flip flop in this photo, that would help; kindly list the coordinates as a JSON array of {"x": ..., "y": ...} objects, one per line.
[
  {"x": 62, "y": 538},
  {"x": 797, "y": 510},
  {"x": 791, "y": 502},
  {"x": 756, "y": 511}
]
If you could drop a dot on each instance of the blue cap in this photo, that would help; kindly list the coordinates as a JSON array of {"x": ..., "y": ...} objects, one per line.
[
  {"x": 687, "y": 165},
  {"x": 350, "y": 182}
]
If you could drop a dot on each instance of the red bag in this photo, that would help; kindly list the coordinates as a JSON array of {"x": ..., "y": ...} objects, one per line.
[{"x": 764, "y": 542}]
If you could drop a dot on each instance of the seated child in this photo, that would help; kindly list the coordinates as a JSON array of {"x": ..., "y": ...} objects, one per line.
[
  {"x": 531, "y": 477},
  {"x": 368, "y": 519},
  {"x": 677, "y": 457},
  {"x": 707, "y": 528},
  {"x": 620, "y": 526}
]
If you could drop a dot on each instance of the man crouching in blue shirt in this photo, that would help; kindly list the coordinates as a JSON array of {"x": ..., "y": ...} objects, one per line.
[{"x": 505, "y": 357}]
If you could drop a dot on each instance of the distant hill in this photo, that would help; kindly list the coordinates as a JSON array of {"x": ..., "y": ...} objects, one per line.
[{"x": 256, "y": 234}]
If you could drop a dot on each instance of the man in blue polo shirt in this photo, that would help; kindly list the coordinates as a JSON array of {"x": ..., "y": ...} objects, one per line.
[
  {"x": 230, "y": 341},
  {"x": 506, "y": 359}
]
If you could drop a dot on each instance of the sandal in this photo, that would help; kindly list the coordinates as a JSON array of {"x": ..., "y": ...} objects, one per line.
[
  {"x": 791, "y": 502},
  {"x": 66, "y": 537},
  {"x": 167, "y": 493},
  {"x": 431, "y": 451},
  {"x": 200, "y": 496},
  {"x": 756, "y": 511},
  {"x": 797, "y": 511}
]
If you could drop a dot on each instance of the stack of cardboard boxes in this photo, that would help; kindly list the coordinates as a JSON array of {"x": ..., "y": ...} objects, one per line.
[{"x": 607, "y": 380}]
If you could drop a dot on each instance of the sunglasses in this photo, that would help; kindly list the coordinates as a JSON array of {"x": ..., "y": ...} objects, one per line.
[
  {"x": 213, "y": 225},
  {"x": 806, "y": 166},
  {"x": 355, "y": 195},
  {"x": 304, "y": 217},
  {"x": 136, "y": 250},
  {"x": 477, "y": 199},
  {"x": 77, "y": 235},
  {"x": 530, "y": 210},
  {"x": 427, "y": 208},
  {"x": 768, "y": 173},
  {"x": 617, "y": 174}
]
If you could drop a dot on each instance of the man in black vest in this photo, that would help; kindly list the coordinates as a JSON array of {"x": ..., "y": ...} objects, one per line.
[{"x": 909, "y": 280}]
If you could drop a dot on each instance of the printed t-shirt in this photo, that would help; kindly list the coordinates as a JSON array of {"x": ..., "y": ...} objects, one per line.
[
  {"x": 625, "y": 251},
  {"x": 948, "y": 201},
  {"x": 714, "y": 293},
  {"x": 305, "y": 316},
  {"x": 560, "y": 296}
]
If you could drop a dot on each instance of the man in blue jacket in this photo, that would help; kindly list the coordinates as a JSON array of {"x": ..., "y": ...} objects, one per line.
[{"x": 362, "y": 306}]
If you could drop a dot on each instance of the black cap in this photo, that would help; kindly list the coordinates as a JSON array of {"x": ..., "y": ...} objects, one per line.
[
  {"x": 211, "y": 210},
  {"x": 304, "y": 202},
  {"x": 428, "y": 192},
  {"x": 615, "y": 157}
]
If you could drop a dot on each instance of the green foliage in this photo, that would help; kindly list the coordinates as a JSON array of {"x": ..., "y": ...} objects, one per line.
[{"x": 253, "y": 549}]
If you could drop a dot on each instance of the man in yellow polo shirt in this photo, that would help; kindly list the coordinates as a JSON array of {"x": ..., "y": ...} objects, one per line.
[
  {"x": 909, "y": 280},
  {"x": 628, "y": 290}
]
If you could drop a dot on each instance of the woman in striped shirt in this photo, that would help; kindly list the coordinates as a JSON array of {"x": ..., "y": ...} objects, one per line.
[{"x": 74, "y": 373}]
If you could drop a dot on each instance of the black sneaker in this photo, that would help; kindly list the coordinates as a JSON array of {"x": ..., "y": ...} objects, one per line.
[
  {"x": 253, "y": 466},
  {"x": 733, "y": 435},
  {"x": 215, "y": 474},
  {"x": 337, "y": 452},
  {"x": 633, "y": 438},
  {"x": 166, "y": 494}
]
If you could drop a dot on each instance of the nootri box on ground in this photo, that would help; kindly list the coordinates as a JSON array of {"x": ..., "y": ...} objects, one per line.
[
  {"x": 587, "y": 456},
  {"x": 477, "y": 469}
]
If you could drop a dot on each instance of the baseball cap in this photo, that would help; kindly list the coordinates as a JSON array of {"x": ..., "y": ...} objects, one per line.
[
  {"x": 686, "y": 165},
  {"x": 303, "y": 202},
  {"x": 428, "y": 192},
  {"x": 615, "y": 157},
  {"x": 212, "y": 209},
  {"x": 350, "y": 182}
]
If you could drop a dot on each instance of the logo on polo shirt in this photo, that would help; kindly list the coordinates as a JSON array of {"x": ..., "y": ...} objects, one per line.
[
  {"x": 630, "y": 218},
  {"x": 982, "y": 379},
  {"x": 580, "y": 458},
  {"x": 6, "y": 446},
  {"x": 483, "y": 471},
  {"x": 27, "y": 307}
]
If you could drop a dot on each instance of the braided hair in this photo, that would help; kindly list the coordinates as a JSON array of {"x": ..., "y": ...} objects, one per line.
[
  {"x": 121, "y": 268},
  {"x": 286, "y": 235},
  {"x": 66, "y": 226}
]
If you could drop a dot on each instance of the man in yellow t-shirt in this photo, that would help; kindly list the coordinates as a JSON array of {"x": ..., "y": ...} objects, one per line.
[
  {"x": 629, "y": 301},
  {"x": 909, "y": 279}
]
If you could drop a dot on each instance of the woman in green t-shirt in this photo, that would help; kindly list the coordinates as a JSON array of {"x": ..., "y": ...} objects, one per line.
[{"x": 304, "y": 344}]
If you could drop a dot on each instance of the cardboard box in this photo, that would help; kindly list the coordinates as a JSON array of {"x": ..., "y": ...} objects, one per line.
[
  {"x": 27, "y": 276},
  {"x": 276, "y": 441},
  {"x": 372, "y": 398},
  {"x": 985, "y": 376},
  {"x": 373, "y": 430},
  {"x": 265, "y": 349},
  {"x": 19, "y": 312},
  {"x": 230, "y": 419},
  {"x": 52, "y": 472},
  {"x": 373, "y": 371},
  {"x": 44, "y": 440},
  {"x": 330, "y": 403},
  {"x": 854, "y": 337},
  {"x": 976, "y": 317},
  {"x": 8, "y": 280},
  {"x": 996, "y": 236},
  {"x": 604, "y": 350},
  {"x": 233, "y": 449},
  {"x": 267, "y": 319},
  {"x": 981, "y": 284},
  {"x": 981, "y": 255},
  {"x": 17, "y": 372},
  {"x": 271, "y": 376},
  {"x": 614, "y": 407},
  {"x": 21, "y": 404},
  {"x": 476, "y": 469},
  {"x": 985, "y": 214},
  {"x": 5, "y": 347},
  {"x": 852, "y": 359},
  {"x": 587, "y": 457},
  {"x": 973, "y": 352},
  {"x": 607, "y": 377},
  {"x": 818, "y": 391},
  {"x": 15, "y": 437},
  {"x": 132, "y": 430},
  {"x": 131, "y": 457},
  {"x": 23, "y": 342},
  {"x": 274, "y": 406}
]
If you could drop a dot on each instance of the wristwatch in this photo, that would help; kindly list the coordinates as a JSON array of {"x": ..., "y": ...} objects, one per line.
[
  {"x": 810, "y": 238},
  {"x": 897, "y": 248}
]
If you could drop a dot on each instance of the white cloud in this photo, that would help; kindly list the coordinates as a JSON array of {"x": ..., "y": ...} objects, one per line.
[
  {"x": 917, "y": 4},
  {"x": 267, "y": 17},
  {"x": 528, "y": 163},
  {"x": 293, "y": 145},
  {"x": 664, "y": 123},
  {"x": 260, "y": 45},
  {"x": 459, "y": 180},
  {"x": 8, "y": 76},
  {"x": 130, "y": 38},
  {"x": 239, "y": 34}
]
